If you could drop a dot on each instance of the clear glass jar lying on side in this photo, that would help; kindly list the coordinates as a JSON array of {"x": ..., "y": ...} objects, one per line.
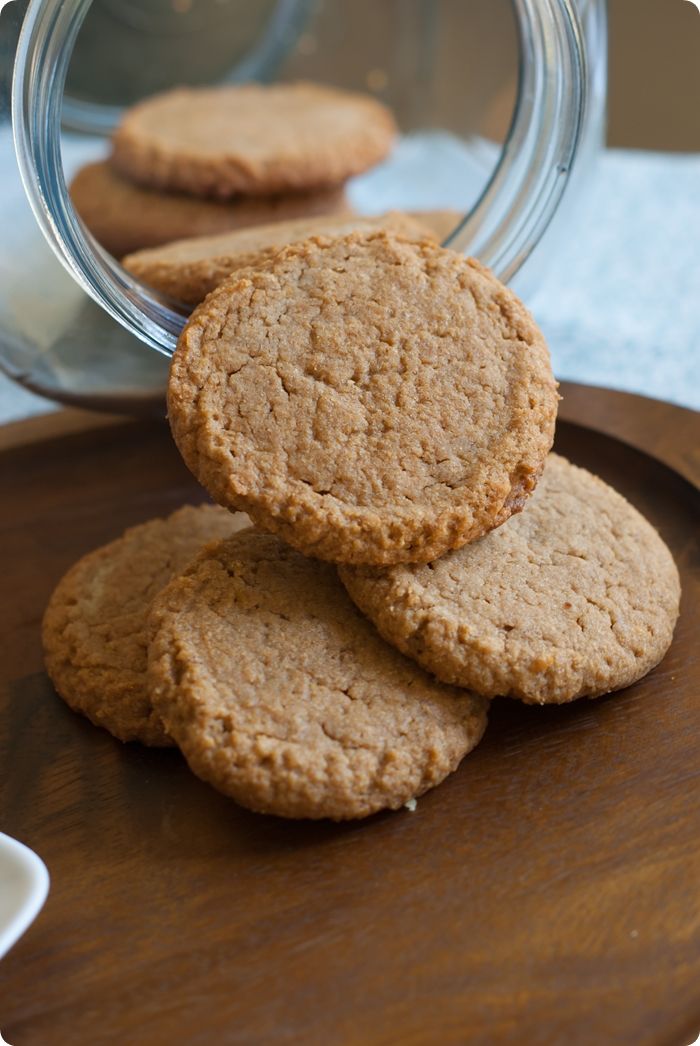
[{"x": 501, "y": 107}]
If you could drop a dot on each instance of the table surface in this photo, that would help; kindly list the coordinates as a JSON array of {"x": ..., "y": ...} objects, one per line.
[{"x": 547, "y": 892}]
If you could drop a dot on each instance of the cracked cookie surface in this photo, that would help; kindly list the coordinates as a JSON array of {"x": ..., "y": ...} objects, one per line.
[
  {"x": 251, "y": 138},
  {"x": 576, "y": 597},
  {"x": 192, "y": 268},
  {"x": 94, "y": 626},
  {"x": 367, "y": 398},
  {"x": 282, "y": 695}
]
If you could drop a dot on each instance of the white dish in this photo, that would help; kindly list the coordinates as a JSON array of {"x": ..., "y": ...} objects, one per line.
[{"x": 24, "y": 884}]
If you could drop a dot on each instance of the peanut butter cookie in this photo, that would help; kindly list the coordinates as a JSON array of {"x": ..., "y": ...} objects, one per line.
[
  {"x": 441, "y": 223},
  {"x": 191, "y": 269},
  {"x": 281, "y": 694},
  {"x": 575, "y": 597},
  {"x": 251, "y": 138},
  {"x": 94, "y": 626},
  {"x": 125, "y": 217},
  {"x": 367, "y": 398}
]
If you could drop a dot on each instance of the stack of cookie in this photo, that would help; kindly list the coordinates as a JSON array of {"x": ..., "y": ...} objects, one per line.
[
  {"x": 190, "y": 269},
  {"x": 198, "y": 162},
  {"x": 383, "y": 410}
]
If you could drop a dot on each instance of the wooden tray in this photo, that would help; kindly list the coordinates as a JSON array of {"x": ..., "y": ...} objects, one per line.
[{"x": 546, "y": 893}]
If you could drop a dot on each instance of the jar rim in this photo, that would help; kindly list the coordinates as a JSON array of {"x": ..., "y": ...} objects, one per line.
[{"x": 502, "y": 229}]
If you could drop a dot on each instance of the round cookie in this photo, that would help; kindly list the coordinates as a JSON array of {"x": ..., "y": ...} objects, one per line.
[
  {"x": 367, "y": 398},
  {"x": 125, "y": 217},
  {"x": 441, "y": 223},
  {"x": 575, "y": 597},
  {"x": 251, "y": 138},
  {"x": 281, "y": 694},
  {"x": 191, "y": 269},
  {"x": 94, "y": 626}
]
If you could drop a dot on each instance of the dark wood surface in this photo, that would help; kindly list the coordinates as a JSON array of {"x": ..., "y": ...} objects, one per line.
[{"x": 546, "y": 893}]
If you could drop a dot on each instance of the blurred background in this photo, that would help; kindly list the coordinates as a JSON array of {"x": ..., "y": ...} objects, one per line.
[
  {"x": 654, "y": 99},
  {"x": 654, "y": 64}
]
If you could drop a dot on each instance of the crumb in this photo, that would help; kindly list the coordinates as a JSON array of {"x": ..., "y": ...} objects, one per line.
[{"x": 411, "y": 805}]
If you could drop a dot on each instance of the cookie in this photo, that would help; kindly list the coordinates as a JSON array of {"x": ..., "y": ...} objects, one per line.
[
  {"x": 281, "y": 694},
  {"x": 441, "y": 223},
  {"x": 125, "y": 217},
  {"x": 191, "y": 269},
  {"x": 575, "y": 597},
  {"x": 94, "y": 626},
  {"x": 367, "y": 398},
  {"x": 251, "y": 138}
]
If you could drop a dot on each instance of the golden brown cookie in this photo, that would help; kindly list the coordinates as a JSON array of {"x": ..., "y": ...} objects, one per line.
[
  {"x": 367, "y": 398},
  {"x": 191, "y": 269},
  {"x": 575, "y": 597},
  {"x": 125, "y": 217},
  {"x": 281, "y": 694},
  {"x": 251, "y": 138},
  {"x": 441, "y": 223},
  {"x": 94, "y": 626}
]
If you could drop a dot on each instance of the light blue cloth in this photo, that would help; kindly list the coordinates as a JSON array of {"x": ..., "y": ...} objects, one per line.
[{"x": 620, "y": 300}]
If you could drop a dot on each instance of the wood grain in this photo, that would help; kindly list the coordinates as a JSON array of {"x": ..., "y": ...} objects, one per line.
[
  {"x": 546, "y": 893},
  {"x": 53, "y": 424},
  {"x": 663, "y": 430}
]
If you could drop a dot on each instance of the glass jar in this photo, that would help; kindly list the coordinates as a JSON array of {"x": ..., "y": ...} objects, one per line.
[{"x": 500, "y": 102}]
